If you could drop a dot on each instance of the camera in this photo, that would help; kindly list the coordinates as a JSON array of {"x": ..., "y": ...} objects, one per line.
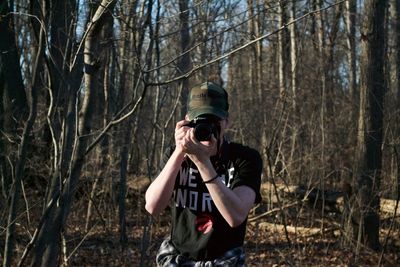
[{"x": 205, "y": 127}]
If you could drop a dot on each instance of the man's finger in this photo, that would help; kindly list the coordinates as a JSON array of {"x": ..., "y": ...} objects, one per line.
[{"x": 181, "y": 123}]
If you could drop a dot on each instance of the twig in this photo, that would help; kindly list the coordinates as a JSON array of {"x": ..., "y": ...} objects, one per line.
[
  {"x": 268, "y": 154},
  {"x": 193, "y": 70},
  {"x": 252, "y": 219},
  {"x": 36, "y": 233},
  {"x": 80, "y": 242},
  {"x": 117, "y": 119},
  {"x": 395, "y": 208},
  {"x": 91, "y": 23},
  {"x": 28, "y": 218},
  {"x": 48, "y": 117}
]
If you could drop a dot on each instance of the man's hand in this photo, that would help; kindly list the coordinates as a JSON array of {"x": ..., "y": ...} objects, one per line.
[
  {"x": 180, "y": 133},
  {"x": 199, "y": 151},
  {"x": 186, "y": 143}
]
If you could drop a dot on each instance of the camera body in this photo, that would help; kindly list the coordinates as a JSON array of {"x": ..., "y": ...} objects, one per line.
[{"x": 205, "y": 127}]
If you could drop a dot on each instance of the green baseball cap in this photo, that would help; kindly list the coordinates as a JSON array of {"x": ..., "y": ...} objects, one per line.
[{"x": 208, "y": 98}]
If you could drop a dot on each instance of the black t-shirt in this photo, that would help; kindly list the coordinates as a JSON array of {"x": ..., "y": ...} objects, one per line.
[{"x": 198, "y": 229}]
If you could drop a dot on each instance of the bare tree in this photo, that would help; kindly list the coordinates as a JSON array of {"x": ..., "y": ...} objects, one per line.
[
  {"x": 103, "y": 89},
  {"x": 293, "y": 56},
  {"x": 94, "y": 75},
  {"x": 185, "y": 63},
  {"x": 121, "y": 141},
  {"x": 350, "y": 18},
  {"x": 282, "y": 6},
  {"x": 48, "y": 237},
  {"x": 370, "y": 124},
  {"x": 18, "y": 172},
  {"x": 397, "y": 37},
  {"x": 13, "y": 107}
]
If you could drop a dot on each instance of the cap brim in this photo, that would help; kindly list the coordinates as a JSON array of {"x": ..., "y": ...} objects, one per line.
[{"x": 194, "y": 113}]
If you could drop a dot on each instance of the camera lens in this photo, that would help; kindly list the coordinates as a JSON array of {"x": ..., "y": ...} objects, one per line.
[{"x": 203, "y": 132}]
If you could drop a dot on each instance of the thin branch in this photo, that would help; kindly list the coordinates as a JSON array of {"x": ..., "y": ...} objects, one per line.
[
  {"x": 198, "y": 67},
  {"x": 48, "y": 117},
  {"x": 28, "y": 218},
  {"x": 205, "y": 41},
  {"x": 396, "y": 206},
  {"x": 255, "y": 218},
  {"x": 92, "y": 22},
  {"x": 46, "y": 213},
  {"x": 80, "y": 242},
  {"x": 117, "y": 120}
]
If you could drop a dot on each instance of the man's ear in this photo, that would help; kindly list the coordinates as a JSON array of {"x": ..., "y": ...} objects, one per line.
[
  {"x": 187, "y": 117},
  {"x": 228, "y": 122}
]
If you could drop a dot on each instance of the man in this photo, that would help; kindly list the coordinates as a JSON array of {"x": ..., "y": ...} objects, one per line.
[{"x": 213, "y": 185}]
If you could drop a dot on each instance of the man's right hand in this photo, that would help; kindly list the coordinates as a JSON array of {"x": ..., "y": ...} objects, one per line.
[{"x": 180, "y": 133}]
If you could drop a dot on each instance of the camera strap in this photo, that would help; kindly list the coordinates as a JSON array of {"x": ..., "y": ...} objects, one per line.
[{"x": 222, "y": 157}]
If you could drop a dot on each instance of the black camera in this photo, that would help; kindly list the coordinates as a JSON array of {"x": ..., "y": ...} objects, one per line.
[{"x": 205, "y": 127}]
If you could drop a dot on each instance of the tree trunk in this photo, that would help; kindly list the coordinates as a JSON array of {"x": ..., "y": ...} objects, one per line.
[
  {"x": 351, "y": 12},
  {"x": 293, "y": 77},
  {"x": 61, "y": 31},
  {"x": 185, "y": 62},
  {"x": 293, "y": 57},
  {"x": 397, "y": 68},
  {"x": 397, "y": 37},
  {"x": 13, "y": 104},
  {"x": 158, "y": 98},
  {"x": 322, "y": 76},
  {"x": 21, "y": 156},
  {"x": 258, "y": 54},
  {"x": 281, "y": 49},
  {"x": 121, "y": 140},
  {"x": 47, "y": 247},
  {"x": 370, "y": 132},
  {"x": 102, "y": 89},
  {"x": 250, "y": 59}
]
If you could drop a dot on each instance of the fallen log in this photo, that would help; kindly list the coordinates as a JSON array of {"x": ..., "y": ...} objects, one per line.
[
  {"x": 311, "y": 231},
  {"x": 389, "y": 205},
  {"x": 333, "y": 201},
  {"x": 297, "y": 230},
  {"x": 265, "y": 214}
]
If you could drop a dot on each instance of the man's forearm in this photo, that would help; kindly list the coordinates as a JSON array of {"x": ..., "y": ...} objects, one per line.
[
  {"x": 160, "y": 190},
  {"x": 233, "y": 205}
]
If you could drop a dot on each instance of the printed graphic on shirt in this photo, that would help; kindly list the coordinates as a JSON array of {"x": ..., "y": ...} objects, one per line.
[
  {"x": 191, "y": 192},
  {"x": 204, "y": 223}
]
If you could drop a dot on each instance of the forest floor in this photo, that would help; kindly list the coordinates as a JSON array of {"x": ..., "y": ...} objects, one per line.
[
  {"x": 266, "y": 242},
  {"x": 264, "y": 247}
]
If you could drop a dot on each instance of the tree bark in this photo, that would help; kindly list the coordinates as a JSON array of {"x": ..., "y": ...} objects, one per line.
[
  {"x": 397, "y": 37},
  {"x": 293, "y": 77},
  {"x": 293, "y": 57},
  {"x": 323, "y": 90},
  {"x": 21, "y": 157},
  {"x": 351, "y": 12},
  {"x": 62, "y": 28},
  {"x": 47, "y": 247},
  {"x": 185, "y": 62},
  {"x": 13, "y": 104},
  {"x": 370, "y": 132},
  {"x": 281, "y": 49},
  {"x": 101, "y": 103}
]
